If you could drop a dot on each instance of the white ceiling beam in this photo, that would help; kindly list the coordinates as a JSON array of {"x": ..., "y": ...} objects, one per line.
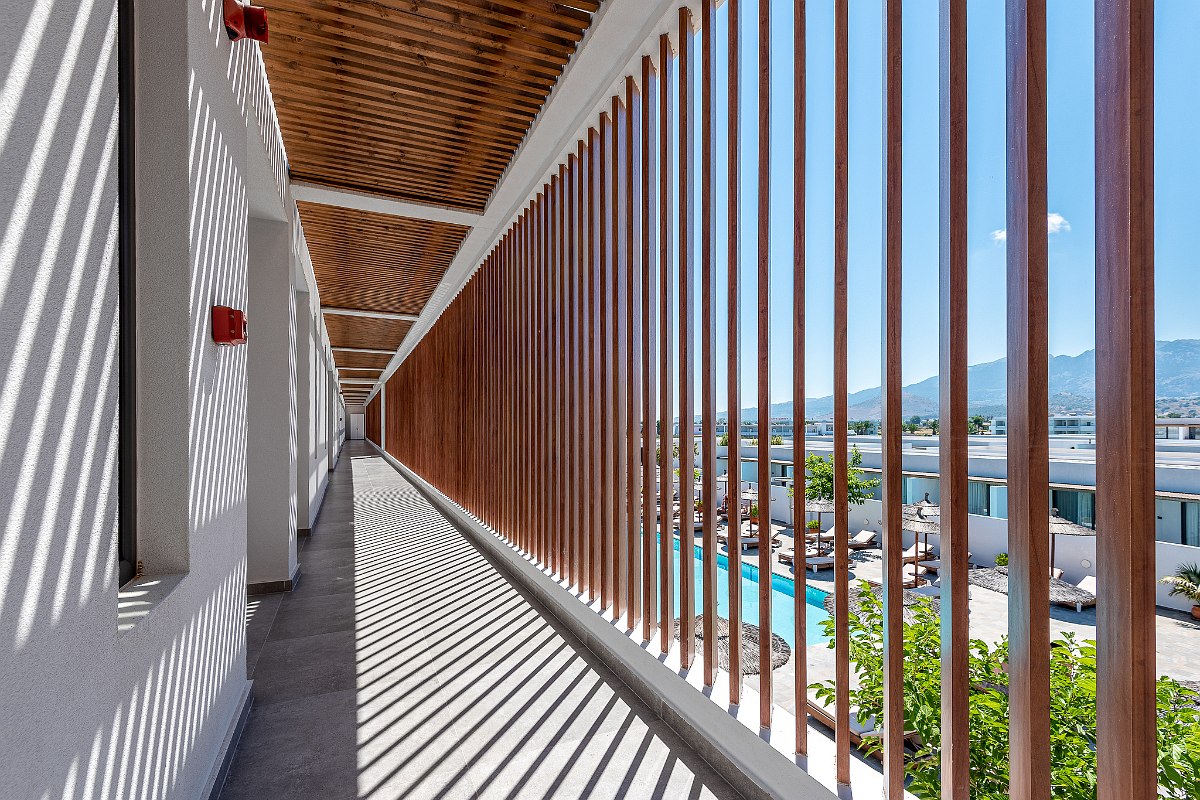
[
  {"x": 365, "y": 381},
  {"x": 381, "y": 204},
  {"x": 358, "y": 312},
  {"x": 363, "y": 350},
  {"x": 620, "y": 33}
]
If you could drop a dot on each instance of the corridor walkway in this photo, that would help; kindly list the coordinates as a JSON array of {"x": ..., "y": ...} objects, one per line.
[{"x": 404, "y": 665}]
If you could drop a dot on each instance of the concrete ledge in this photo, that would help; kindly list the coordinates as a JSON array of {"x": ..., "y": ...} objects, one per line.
[
  {"x": 274, "y": 587},
  {"x": 750, "y": 764}
]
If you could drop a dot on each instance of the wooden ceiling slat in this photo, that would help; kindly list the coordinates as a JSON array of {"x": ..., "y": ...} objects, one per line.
[
  {"x": 338, "y": 78},
  {"x": 377, "y": 262},
  {"x": 365, "y": 331},
  {"x": 356, "y": 17},
  {"x": 536, "y": 29},
  {"x": 390, "y": 71},
  {"x": 395, "y": 186},
  {"x": 407, "y": 152},
  {"x": 422, "y": 176},
  {"x": 366, "y": 106},
  {"x": 344, "y": 359},
  {"x": 427, "y": 59}
]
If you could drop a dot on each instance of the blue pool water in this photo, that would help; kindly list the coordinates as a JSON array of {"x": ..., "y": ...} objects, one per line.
[{"x": 783, "y": 603}]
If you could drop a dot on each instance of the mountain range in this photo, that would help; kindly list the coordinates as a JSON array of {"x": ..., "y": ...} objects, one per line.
[{"x": 1072, "y": 387}]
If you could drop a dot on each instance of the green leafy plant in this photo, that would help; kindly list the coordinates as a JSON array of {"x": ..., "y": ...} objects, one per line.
[
  {"x": 724, "y": 440},
  {"x": 935, "y": 426},
  {"x": 1185, "y": 582},
  {"x": 1072, "y": 709},
  {"x": 863, "y": 427},
  {"x": 820, "y": 478},
  {"x": 754, "y": 442},
  {"x": 754, "y": 511},
  {"x": 1002, "y": 559},
  {"x": 813, "y": 525},
  {"x": 776, "y": 439},
  {"x": 977, "y": 424}
]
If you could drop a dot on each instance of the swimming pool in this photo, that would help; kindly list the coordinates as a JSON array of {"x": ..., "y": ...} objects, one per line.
[{"x": 783, "y": 603}]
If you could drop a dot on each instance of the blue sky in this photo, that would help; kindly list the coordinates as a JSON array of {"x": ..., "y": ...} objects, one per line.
[{"x": 1071, "y": 195}]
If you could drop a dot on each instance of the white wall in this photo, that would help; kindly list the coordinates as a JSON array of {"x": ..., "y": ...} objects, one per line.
[
  {"x": 271, "y": 416},
  {"x": 141, "y": 712}
]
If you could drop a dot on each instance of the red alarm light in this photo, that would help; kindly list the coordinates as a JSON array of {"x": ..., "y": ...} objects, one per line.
[
  {"x": 228, "y": 325},
  {"x": 244, "y": 21}
]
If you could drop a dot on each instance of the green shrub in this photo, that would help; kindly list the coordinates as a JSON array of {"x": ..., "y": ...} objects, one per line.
[
  {"x": 1072, "y": 709},
  {"x": 1002, "y": 560}
]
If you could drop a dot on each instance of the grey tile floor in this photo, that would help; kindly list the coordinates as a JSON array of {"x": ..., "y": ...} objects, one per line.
[{"x": 404, "y": 665}]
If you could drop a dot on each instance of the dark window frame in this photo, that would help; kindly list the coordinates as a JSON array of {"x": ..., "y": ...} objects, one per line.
[{"x": 127, "y": 354}]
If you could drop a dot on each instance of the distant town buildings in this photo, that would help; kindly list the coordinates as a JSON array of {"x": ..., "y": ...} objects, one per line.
[{"x": 1081, "y": 425}]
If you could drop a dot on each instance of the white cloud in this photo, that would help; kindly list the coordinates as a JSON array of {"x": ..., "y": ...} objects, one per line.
[{"x": 1055, "y": 223}]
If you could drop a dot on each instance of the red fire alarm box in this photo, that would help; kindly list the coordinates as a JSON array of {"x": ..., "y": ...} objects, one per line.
[
  {"x": 244, "y": 21},
  {"x": 228, "y": 325}
]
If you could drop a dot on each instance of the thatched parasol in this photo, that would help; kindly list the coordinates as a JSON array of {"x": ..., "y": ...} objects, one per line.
[{"x": 780, "y": 650}]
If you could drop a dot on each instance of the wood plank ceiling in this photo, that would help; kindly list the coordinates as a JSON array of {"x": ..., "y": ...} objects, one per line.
[{"x": 419, "y": 101}]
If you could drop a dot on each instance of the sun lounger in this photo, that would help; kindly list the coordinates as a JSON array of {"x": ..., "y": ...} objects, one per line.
[
  {"x": 918, "y": 552},
  {"x": 862, "y": 540},
  {"x": 820, "y": 562}
]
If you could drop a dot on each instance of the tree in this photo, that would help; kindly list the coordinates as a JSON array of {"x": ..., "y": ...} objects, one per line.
[
  {"x": 915, "y": 419},
  {"x": 934, "y": 425},
  {"x": 909, "y": 427},
  {"x": 819, "y": 485},
  {"x": 724, "y": 440},
  {"x": 1072, "y": 709},
  {"x": 863, "y": 427},
  {"x": 976, "y": 424}
]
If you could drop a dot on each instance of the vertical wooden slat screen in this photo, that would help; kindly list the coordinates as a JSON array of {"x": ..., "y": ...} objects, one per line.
[
  {"x": 538, "y": 399},
  {"x": 372, "y": 418},
  {"x": 708, "y": 330},
  {"x": 891, "y": 439},
  {"x": 799, "y": 479},
  {"x": 952, "y": 449},
  {"x": 1028, "y": 405},
  {"x": 687, "y": 211},
  {"x": 841, "y": 509},
  {"x": 1125, "y": 518},
  {"x": 666, "y": 350},
  {"x": 733, "y": 485},
  {"x": 763, "y": 462}
]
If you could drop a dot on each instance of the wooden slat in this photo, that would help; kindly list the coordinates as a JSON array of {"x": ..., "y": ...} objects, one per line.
[
  {"x": 891, "y": 312},
  {"x": 952, "y": 461},
  {"x": 687, "y": 202},
  {"x": 384, "y": 334},
  {"x": 618, "y": 236},
  {"x": 604, "y": 299},
  {"x": 734, "y": 315},
  {"x": 799, "y": 150},
  {"x": 1125, "y": 623},
  {"x": 841, "y": 510},
  {"x": 666, "y": 350},
  {"x": 633, "y": 346},
  {"x": 651, "y": 498},
  {"x": 1028, "y": 405},
  {"x": 763, "y": 464},
  {"x": 595, "y": 343},
  {"x": 708, "y": 329}
]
